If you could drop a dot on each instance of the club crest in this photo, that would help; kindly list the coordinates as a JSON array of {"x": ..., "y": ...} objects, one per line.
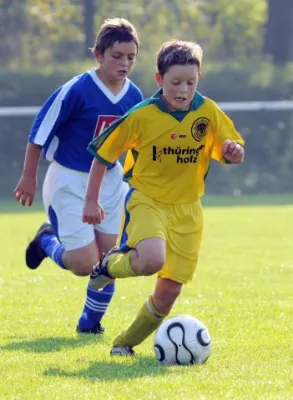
[{"x": 200, "y": 128}]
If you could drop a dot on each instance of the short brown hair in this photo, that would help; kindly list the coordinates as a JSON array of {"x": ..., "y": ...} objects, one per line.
[
  {"x": 115, "y": 30},
  {"x": 177, "y": 52}
]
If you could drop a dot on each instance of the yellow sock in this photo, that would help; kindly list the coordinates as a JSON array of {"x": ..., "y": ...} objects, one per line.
[
  {"x": 119, "y": 266},
  {"x": 147, "y": 321}
]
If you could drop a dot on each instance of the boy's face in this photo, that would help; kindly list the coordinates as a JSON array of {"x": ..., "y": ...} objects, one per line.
[
  {"x": 179, "y": 84},
  {"x": 117, "y": 61}
]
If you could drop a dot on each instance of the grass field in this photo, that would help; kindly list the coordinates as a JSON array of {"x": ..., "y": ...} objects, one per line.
[{"x": 243, "y": 292}]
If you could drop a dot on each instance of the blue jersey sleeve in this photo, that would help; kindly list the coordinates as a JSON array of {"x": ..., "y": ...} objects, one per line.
[
  {"x": 56, "y": 110},
  {"x": 139, "y": 97}
]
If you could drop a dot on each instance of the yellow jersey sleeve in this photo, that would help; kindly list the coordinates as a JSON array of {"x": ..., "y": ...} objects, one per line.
[
  {"x": 119, "y": 137},
  {"x": 224, "y": 129}
]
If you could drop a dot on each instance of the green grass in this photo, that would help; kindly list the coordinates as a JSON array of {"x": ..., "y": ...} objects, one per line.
[
  {"x": 242, "y": 291},
  {"x": 11, "y": 206}
]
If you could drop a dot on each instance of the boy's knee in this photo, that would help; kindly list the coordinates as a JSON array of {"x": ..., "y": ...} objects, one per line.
[
  {"x": 151, "y": 265},
  {"x": 149, "y": 256}
]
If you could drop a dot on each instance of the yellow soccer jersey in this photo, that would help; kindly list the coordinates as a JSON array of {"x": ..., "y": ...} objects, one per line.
[{"x": 169, "y": 153}]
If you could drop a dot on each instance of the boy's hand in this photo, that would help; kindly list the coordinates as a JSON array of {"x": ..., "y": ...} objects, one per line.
[
  {"x": 233, "y": 152},
  {"x": 25, "y": 190},
  {"x": 93, "y": 213}
]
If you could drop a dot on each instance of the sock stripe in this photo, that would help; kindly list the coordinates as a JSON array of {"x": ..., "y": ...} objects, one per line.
[
  {"x": 152, "y": 310},
  {"x": 102, "y": 310},
  {"x": 105, "y": 300},
  {"x": 95, "y": 307},
  {"x": 54, "y": 250},
  {"x": 96, "y": 304}
]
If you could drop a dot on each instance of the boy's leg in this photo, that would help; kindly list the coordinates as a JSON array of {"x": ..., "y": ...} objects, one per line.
[
  {"x": 141, "y": 247},
  {"x": 113, "y": 192},
  {"x": 183, "y": 243},
  {"x": 80, "y": 262},
  {"x": 67, "y": 240},
  {"x": 96, "y": 305},
  {"x": 44, "y": 244},
  {"x": 149, "y": 317},
  {"x": 149, "y": 255},
  {"x": 97, "y": 301},
  {"x": 146, "y": 259}
]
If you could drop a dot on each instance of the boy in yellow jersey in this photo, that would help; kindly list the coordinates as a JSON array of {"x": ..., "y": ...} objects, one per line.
[{"x": 170, "y": 138}]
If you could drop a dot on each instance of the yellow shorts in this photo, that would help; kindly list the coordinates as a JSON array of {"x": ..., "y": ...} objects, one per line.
[{"x": 180, "y": 225}]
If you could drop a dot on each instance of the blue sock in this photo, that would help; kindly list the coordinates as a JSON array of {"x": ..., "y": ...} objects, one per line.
[
  {"x": 53, "y": 248},
  {"x": 96, "y": 304}
]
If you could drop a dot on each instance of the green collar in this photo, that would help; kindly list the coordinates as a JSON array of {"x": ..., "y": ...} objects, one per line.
[{"x": 197, "y": 101}]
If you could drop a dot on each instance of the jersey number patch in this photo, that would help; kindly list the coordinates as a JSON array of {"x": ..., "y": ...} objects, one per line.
[{"x": 104, "y": 121}]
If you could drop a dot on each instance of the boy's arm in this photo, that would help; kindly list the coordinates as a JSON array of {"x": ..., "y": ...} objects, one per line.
[
  {"x": 26, "y": 188},
  {"x": 228, "y": 144},
  {"x": 55, "y": 111},
  {"x": 106, "y": 148},
  {"x": 93, "y": 213}
]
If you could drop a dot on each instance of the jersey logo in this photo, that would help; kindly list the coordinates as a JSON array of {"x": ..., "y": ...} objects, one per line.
[
  {"x": 200, "y": 128},
  {"x": 181, "y": 155},
  {"x": 104, "y": 121},
  {"x": 157, "y": 154},
  {"x": 177, "y": 136}
]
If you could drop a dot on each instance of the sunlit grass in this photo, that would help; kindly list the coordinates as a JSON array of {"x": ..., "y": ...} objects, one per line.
[{"x": 242, "y": 291}]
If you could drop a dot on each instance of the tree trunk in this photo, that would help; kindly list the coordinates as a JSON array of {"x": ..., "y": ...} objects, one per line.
[
  {"x": 278, "y": 40},
  {"x": 89, "y": 26}
]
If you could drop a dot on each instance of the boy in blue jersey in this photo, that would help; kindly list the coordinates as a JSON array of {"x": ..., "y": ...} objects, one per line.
[
  {"x": 171, "y": 139},
  {"x": 76, "y": 113}
]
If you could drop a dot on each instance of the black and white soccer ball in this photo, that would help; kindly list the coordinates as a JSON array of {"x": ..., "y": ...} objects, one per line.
[{"x": 182, "y": 340}]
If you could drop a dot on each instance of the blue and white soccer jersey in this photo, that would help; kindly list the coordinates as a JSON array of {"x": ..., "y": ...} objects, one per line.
[{"x": 76, "y": 112}]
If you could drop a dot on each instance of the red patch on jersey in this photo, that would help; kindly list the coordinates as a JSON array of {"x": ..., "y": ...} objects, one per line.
[{"x": 104, "y": 121}]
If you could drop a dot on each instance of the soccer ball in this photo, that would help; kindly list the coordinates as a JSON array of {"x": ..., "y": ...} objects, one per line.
[{"x": 182, "y": 340}]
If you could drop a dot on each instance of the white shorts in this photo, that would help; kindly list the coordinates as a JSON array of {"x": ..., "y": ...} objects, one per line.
[{"x": 63, "y": 197}]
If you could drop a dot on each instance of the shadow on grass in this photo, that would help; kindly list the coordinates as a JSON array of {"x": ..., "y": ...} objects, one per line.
[
  {"x": 51, "y": 344},
  {"x": 118, "y": 370}
]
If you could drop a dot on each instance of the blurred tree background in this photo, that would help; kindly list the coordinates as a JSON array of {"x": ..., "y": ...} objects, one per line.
[
  {"x": 43, "y": 33},
  {"x": 248, "y": 56}
]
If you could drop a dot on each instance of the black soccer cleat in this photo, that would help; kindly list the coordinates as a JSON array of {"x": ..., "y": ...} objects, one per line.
[
  {"x": 96, "y": 330},
  {"x": 34, "y": 253}
]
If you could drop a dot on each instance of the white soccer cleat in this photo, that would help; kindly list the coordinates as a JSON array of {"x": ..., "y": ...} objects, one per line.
[
  {"x": 100, "y": 277},
  {"x": 124, "y": 351}
]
